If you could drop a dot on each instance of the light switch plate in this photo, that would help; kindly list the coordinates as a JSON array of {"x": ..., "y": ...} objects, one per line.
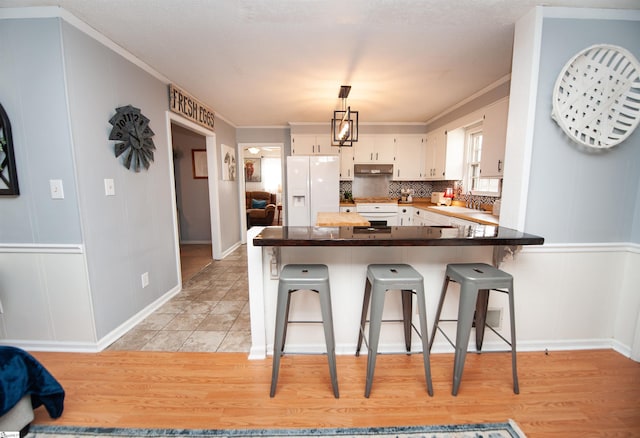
[
  {"x": 109, "y": 187},
  {"x": 56, "y": 189}
]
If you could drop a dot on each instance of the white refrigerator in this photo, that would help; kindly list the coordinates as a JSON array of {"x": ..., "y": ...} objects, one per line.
[{"x": 313, "y": 185}]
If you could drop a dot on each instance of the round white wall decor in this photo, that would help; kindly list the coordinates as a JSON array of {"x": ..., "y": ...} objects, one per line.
[{"x": 596, "y": 98}]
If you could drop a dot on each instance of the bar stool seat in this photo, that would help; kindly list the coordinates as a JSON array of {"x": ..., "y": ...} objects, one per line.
[
  {"x": 292, "y": 279},
  {"x": 380, "y": 279},
  {"x": 474, "y": 278}
]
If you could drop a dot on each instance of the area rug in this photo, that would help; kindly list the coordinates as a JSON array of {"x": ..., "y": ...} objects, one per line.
[{"x": 489, "y": 430}]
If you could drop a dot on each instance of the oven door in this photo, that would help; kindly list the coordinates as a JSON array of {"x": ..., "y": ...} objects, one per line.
[{"x": 381, "y": 219}]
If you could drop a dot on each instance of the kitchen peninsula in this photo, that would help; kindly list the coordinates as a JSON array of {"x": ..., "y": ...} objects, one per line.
[{"x": 347, "y": 251}]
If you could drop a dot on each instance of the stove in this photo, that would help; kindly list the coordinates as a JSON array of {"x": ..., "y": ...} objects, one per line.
[{"x": 378, "y": 211}]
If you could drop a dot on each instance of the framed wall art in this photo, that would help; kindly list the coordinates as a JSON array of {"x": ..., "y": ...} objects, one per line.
[
  {"x": 252, "y": 170},
  {"x": 199, "y": 159},
  {"x": 228, "y": 163},
  {"x": 8, "y": 174}
]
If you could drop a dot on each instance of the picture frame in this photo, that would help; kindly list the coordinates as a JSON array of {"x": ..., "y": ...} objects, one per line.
[
  {"x": 199, "y": 160},
  {"x": 8, "y": 173},
  {"x": 228, "y": 163},
  {"x": 252, "y": 170}
]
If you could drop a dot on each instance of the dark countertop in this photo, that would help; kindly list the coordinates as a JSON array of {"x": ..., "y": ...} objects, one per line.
[{"x": 470, "y": 235}]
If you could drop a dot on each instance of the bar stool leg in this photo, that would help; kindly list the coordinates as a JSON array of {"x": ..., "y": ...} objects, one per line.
[
  {"x": 286, "y": 321},
  {"x": 363, "y": 317},
  {"x": 407, "y": 296},
  {"x": 516, "y": 386},
  {"x": 445, "y": 285},
  {"x": 424, "y": 337},
  {"x": 482, "y": 305},
  {"x": 468, "y": 298},
  {"x": 278, "y": 341},
  {"x": 375, "y": 321},
  {"x": 327, "y": 323}
]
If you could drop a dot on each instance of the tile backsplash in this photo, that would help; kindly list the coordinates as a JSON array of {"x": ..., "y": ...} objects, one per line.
[{"x": 423, "y": 189}]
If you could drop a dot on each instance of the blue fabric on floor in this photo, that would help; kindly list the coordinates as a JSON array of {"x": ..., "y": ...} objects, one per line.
[{"x": 22, "y": 374}]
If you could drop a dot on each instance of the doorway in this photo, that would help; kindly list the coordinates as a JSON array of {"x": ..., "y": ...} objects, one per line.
[
  {"x": 262, "y": 169},
  {"x": 192, "y": 200}
]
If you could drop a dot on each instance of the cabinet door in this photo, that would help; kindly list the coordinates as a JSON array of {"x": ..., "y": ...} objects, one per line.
[
  {"x": 303, "y": 144},
  {"x": 410, "y": 158},
  {"x": 363, "y": 149},
  {"x": 494, "y": 138},
  {"x": 435, "y": 155},
  {"x": 384, "y": 148},
  {"x": 312, "y": 144},
  {"x": 323, "y": 145},
  {"x": 346, "y": 163},
  {"x": 405, "y": 216}
]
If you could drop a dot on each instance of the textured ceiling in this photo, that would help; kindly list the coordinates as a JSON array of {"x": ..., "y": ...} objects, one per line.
[{"x": 270, "y": 62}]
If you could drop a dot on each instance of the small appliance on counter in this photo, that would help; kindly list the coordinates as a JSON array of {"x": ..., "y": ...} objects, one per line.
[{"x": 439, "y": 198}]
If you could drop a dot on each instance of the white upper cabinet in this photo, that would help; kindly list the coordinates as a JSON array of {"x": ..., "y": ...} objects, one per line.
[
  {"x": 346, "y": 163},
  {"x": 312, "y": 144},
  {"x": 444, "y": 155},
  {"x": 494, "y": 137},
  {"x": 374, "y": 148},
  {"x": 410, "y": 157}
]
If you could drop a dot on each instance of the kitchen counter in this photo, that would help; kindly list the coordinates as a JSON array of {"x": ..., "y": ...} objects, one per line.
[
  {"x": 341, "y": 220},
  {"x": 347, "y": 251},
  {"x": 470, "y": 235}
]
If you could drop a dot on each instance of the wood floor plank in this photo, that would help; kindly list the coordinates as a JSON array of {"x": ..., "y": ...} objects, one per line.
[{"x": 573, "y": 393}]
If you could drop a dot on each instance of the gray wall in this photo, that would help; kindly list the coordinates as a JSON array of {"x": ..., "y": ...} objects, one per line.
[
  {"x": 575, "y": 196},
  {"x": 32, "y": 93},
  {"x": 228, "y": 191},
  {"x": 192, "y": 194},
  {"x": 133, "y": 232},
  {"x": 63, "y": 134}
]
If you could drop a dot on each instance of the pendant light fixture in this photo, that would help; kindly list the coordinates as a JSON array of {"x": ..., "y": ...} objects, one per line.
[{"x": 344, "y": 124}]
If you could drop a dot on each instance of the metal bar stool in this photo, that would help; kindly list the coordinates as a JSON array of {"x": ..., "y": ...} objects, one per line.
[
  {"x": 380, "y": 279},
  {"x": 303, "y": 277},
  {"x": 474, "y": 278}
]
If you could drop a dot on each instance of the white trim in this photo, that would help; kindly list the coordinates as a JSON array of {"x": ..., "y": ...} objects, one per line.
[
  {"x": 477, "y": 94},
  {"x": 129, "y": 324},
  {"x": 59, "y": 12},
  {"x": 47, "y": 248},
  {"x": 520, "y": 129},
  {"x": 583, "y": 248},
  {"x": 591, "y": 13},
  {"x": 212, "y": 163}
]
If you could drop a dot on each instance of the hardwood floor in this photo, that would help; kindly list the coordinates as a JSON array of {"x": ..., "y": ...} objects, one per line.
[{"x": 575, "y": 393}]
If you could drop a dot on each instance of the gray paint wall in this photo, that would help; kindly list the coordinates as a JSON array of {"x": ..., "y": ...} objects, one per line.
[
  {"x": 60, "y": 88},
  {"x": 32, "y": 93},
  {"x": 62, "y": 133},
  {"x": 228, "y": 191},
  {"x": 132, "y": 232},
  {"x": 574, "y": 196}
]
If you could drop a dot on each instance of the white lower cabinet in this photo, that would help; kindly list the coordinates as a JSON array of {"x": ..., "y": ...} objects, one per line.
[
  {"x": 348, "y": 209},
  {"x": 405, "y": 215},
  {"x": 460, "y": 222}
]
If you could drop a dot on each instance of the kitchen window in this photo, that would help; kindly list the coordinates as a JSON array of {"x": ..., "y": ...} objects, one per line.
[{"x": 473, "y": 179}]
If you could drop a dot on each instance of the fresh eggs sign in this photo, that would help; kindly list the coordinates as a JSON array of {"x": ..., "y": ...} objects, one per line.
[{"x": 186, "y": 105}]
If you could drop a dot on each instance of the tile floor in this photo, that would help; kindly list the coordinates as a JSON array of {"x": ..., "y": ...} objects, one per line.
[{"x": 211, "y": 313}]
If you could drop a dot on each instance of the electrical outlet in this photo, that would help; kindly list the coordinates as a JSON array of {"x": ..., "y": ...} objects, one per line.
[
  {"x": 494, "y": 318},
  {"x": 145, "y": 279}
]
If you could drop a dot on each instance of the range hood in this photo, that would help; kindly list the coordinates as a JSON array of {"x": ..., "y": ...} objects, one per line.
[{"x": 373, "y": 169}]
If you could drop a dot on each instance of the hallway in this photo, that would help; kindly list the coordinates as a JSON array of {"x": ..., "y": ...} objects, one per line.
[{"x": 211, "y": 313}]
